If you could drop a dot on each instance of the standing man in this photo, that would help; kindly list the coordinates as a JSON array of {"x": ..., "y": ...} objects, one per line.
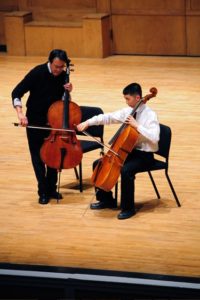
[
  {"x": 45, "y": 84},
  {"x": 147, "y": 125}
]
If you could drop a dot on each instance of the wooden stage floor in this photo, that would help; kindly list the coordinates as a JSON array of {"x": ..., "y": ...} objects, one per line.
[{"x": 161, "y": 239}]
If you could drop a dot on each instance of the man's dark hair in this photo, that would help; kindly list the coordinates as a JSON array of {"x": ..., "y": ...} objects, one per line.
[
  {"x": 133, "y": 89},
  {"x": 58, "y": 53}
]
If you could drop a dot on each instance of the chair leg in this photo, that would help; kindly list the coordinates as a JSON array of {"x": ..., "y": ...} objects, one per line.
[
  {"x": 172, "y": 189},
  {"x": 154, "y": 185},
  {"x": 76, "y": 173},
  {"x": 80, "y": 178}
]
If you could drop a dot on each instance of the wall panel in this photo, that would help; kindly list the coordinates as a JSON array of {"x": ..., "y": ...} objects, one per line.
[
  {"x": 2, "y": 29},
  {"x": 149, "y": 27},
  {"x": 8, "y": 5},
  {"x": 193, "y": 27},
  {"x": 149, "y": 35},
  {"x": 69, "y": 39},
  {"x": 61, "y": 4},
  {"x": 195, "y": 4},
  {"x": 103, "y": 6},
  {"x": 5, "y": 6},
  {"x": 148, "y": 7}
]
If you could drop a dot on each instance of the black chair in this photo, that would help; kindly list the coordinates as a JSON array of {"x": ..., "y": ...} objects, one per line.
[
  {"x": 89, "y": 145},
  {"x": 164, "y": 148}
]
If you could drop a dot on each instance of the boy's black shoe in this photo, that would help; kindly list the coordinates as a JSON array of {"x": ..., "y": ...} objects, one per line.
[
  {"x": 43, "y": 199},
  {"x": 125, "y": 214},
  {"x": 104, "y": 204}
]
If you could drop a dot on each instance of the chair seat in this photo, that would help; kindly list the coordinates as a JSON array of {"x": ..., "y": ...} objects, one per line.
[
  {"x": 158, "y": 165},
  {"x": 89, "y": 146}
]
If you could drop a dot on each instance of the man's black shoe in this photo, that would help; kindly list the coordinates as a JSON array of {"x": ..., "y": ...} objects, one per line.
[
  {"x": 44, "y": 199},
  {"x": 101, "y": 205},
  {"x": 55, "y": 195},
  {"x": 125, "y": 214}
]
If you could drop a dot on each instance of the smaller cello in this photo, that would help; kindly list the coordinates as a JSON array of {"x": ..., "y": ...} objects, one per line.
[{"x": 108, "y": 169}]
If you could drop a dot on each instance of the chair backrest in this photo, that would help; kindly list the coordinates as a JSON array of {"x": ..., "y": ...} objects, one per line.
[
  {"x": 165, "y": 141},
  {"x": 89, "y": 112}
]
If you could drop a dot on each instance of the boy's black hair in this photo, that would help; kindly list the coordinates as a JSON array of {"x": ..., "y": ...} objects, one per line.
[
  {"x": 133, "y": 89},
  {"x": 58, "y": 53}
]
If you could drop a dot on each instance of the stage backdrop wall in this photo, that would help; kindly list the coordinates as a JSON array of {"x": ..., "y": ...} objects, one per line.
[{"x": 99, "y": 28}]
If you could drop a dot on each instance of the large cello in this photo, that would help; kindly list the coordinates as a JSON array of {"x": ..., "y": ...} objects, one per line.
[
  {"x": 62, "y": 149},
  {"x": 108, "y": 169}
]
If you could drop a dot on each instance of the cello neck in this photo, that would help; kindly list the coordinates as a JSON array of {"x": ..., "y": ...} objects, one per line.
[
  {"x": 121, "y": 128},
  {"x": 136, "y": 106},
  {"x": 66, "y": 103}
]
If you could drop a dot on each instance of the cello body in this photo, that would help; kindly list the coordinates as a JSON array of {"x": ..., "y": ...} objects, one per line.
[
  {"x": 62, "y": 150},
  {"x": 106, "y": 173}
]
